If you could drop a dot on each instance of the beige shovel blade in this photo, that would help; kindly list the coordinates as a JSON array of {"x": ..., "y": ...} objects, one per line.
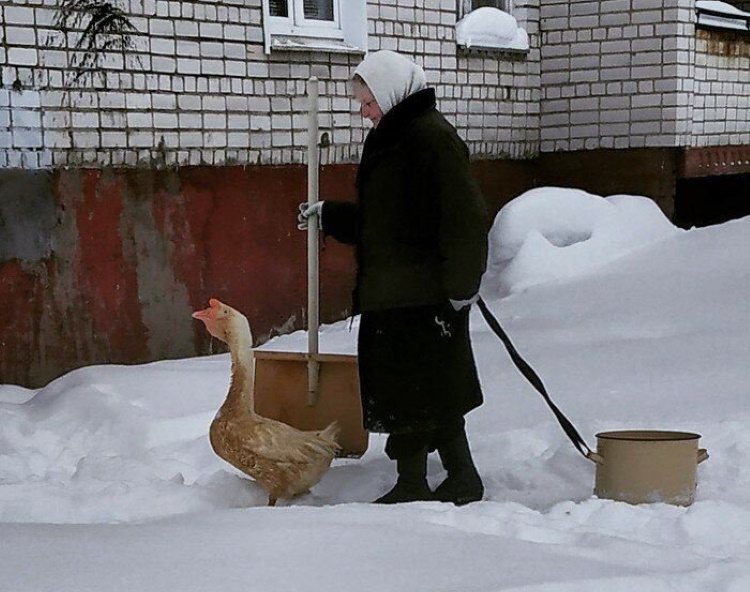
[{"x": 281, "y": 393}]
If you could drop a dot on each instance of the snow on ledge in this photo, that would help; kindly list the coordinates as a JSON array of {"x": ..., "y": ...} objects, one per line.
[
  {"x": 721, "y": 15},
  {"x": 491, "y": 28},
  {"x": 291, "y": 43}
]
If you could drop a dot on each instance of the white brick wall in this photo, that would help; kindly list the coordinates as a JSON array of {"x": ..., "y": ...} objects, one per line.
[
  {"x": 639, "y": 64},
  {"x": 198, "y": 87},
  {"x": 600, "y": 65}
]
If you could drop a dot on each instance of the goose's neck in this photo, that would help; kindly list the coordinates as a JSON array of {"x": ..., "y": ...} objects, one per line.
[{"x": 243, "y": 372}]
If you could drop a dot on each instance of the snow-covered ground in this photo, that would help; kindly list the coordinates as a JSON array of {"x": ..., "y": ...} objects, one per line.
[{"x": 108, "y": 483}]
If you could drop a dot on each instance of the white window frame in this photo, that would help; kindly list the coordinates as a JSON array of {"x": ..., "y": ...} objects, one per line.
[
  {"x": 297, "y": 24},
  {"x": 346, "y": 33}
]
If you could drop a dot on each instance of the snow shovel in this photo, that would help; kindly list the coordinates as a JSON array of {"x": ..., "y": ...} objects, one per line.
[
  {"x": 310, "y": 390},
  {"x": 635, "y": 466}
]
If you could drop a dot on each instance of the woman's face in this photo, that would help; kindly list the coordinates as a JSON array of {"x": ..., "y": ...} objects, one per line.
[{"x": 368, "y": 106}]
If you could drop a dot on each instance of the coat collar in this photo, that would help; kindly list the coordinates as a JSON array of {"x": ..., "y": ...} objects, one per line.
[
  {"x": 392, "y": 128},
  {"x": 394, "y": 123}
]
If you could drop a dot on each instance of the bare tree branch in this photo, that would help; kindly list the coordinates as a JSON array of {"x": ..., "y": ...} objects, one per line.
[{"x": 102, "y": 27}]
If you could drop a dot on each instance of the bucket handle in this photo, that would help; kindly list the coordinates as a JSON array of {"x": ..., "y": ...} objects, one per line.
[
  {"x": 702, "y": 455},
  {"x": 595, "y": 458}
]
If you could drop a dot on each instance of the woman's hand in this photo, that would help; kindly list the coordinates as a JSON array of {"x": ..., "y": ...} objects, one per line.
[
  {"x": 461, "y": 304},
  {"x": 306, "y": 211}
]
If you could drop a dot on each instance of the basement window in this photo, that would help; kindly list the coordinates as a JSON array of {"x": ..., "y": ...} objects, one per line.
[{"x": 338, "y": 26}]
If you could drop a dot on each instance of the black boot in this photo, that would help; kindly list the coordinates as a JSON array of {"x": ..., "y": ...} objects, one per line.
[
  {"x": 463, "y": 485},
  {"x": 411, "y": 485}
]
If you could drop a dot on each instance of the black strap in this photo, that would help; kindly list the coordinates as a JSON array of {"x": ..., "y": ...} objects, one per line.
[{"x": 535, "y": 381}]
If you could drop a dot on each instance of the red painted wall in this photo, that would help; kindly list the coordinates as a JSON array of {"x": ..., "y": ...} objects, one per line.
[
  {"x": 107, "y": 266},
  {"x": 134, "y": 252}
]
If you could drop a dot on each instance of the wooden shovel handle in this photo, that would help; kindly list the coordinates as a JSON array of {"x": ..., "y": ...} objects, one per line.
[{"x": 312, "y": 242}]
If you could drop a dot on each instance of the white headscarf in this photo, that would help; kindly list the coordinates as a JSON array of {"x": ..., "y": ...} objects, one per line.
[{"x": 391, "y": 77}]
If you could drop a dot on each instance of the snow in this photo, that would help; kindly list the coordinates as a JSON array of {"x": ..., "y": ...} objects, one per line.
[
  {"x": 107, "y": 480},
  {"x": 734, "y": 17},
  {"x": 550, "y": 233},
  {"x": 716, "y": 6},
  {"x": 290, "y": 43},
  {"x": 488, "y": 27}
]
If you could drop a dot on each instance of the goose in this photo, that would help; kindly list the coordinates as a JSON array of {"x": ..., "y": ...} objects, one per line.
[{"x": 283, "y": 460}]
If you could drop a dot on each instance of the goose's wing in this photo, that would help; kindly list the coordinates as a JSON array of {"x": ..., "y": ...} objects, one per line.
[{"x": 282, "y": 443}]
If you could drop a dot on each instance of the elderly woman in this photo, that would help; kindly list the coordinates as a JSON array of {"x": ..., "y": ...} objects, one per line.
[{"x": 420, "y": 231}]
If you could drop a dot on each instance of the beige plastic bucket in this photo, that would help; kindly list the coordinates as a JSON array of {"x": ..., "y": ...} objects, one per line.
[{"x": 642, "y": 466}]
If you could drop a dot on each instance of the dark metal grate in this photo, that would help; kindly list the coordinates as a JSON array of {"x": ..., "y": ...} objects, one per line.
[
  {"x": 319, "y": 10},
  {"x": 279, "y": 7}
]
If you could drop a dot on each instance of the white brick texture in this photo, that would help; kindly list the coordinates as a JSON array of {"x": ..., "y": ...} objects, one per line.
[
  {"x": 641, "y": 57},
  {"x": 197, "y": 77},
  {"x": 197, "y": 87}
]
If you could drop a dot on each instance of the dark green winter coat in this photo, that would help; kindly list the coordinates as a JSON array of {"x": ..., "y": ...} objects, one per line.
[{"x": 420, "y": 223}]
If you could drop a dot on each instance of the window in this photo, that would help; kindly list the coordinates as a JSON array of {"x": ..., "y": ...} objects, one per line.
[
  {"x": 315, "y": 25},
  {"x": 466, "y": 6},
  {"x": 305, "y": 13}
]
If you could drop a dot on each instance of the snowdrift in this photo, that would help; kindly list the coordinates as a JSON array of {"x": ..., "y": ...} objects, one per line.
[{"x": 633, "y": 324}]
